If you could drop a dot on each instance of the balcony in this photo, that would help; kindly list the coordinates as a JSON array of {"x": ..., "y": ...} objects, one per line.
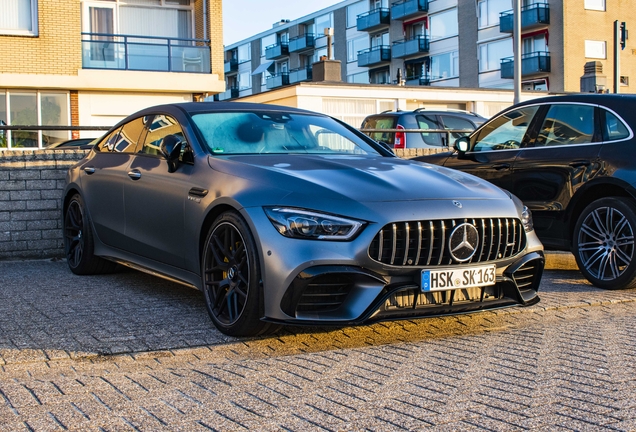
[
  {"x": 277, "y": 51},
  {"x": 302, "y": 43},
  {"x": 531, "y": 63},
  {"x": 276, "y": 81},
  {"x": 405, "y": 9},
  {"x": 231, "y": 93},
  {"x": 534, "y": 15},
  {"x": 405, "y": 48},
  {"x": 300, "y": 75},
  {"x": 374, "y": 19},
  {"x": 145, "y": 53},
  {"x": 374, "y": 56},
  {"x": 230, "y": 66}
]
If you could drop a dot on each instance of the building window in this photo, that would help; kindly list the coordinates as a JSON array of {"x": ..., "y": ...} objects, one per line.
[
  {"x": 445, "y": 66},
  {"x": 489, "y": 11},
  {"x": 595, "y": 5},
  {"x": 444, "y": 24},
  {"x": 245, "y": 80},
  {"x": 323, "y": 22},
  {"x": 355, "y": 45},
  {"x": 354, "y": 10},
  {"x": 380, "y": 76},
  {"x": 595, "y": 49},
  {"x": 490, "y": 54},
  {"x": 266, "y": 41},
  {"x": 19, "y": 17},
  {"x": 359, "y": 78},
  {"x": 30, "y": 108},
  {"x": 244, "y": 53}
]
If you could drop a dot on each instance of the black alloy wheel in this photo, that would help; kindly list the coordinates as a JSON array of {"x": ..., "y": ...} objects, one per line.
[
  {"x": 79, "y": 242},
  {"x": 604, "y": 243},
  {"x": 231, "y": 278}
]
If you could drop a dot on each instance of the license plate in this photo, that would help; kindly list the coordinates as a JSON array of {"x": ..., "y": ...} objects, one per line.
[{"x": 454, "y": 278}]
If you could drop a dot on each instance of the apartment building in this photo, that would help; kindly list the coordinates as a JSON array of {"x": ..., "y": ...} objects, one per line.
[
  {"x": 443, "y": 43},
  {"x": 92, "y": 62}
]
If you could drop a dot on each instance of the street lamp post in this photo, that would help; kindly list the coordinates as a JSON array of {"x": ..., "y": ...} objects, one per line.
[{"x": 516, "y": 37}]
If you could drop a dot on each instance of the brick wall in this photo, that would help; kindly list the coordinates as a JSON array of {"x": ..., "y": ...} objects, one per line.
[{"x": 31, "y": 185}]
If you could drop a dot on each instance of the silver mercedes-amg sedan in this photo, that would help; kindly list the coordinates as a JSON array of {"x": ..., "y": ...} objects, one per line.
[{"x": 284, "y": 216}]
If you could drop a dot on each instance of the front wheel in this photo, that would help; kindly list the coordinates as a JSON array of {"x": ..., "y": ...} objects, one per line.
[
  {"x": 232, "y": 278},
  {"x": 603, "y": 243}
]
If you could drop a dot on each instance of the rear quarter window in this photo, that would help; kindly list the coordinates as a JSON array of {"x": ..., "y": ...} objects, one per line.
[{"x": 388, "y": 122}]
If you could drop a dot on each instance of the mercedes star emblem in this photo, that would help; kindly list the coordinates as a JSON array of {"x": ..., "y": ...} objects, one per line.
[{"x": 463, "y": 242}]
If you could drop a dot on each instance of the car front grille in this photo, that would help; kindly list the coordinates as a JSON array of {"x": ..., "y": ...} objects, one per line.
[{"x": 425, "y": 243}]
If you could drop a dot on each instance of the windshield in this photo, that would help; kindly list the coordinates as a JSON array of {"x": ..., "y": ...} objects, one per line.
[{"x": 277, "y": 132}]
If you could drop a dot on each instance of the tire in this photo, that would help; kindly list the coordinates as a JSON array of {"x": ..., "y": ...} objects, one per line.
[
  {"x": 78, "y": 241},
  {"x": 231, "y": 278},
  {"x": 603, "y": 243}
]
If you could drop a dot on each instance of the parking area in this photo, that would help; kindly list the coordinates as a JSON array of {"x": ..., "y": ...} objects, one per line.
[{"x": 132, "y": 352}]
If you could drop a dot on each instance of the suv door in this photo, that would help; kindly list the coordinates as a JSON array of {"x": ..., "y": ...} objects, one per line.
[
  {"x": 553, "y": 166},
  {"x": 494, "y": 147}
]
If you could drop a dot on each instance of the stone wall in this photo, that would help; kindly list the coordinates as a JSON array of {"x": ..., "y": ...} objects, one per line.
[{"x": 31, "y": 186}]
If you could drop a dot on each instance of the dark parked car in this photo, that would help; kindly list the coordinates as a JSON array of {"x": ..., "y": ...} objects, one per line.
[
  {"x": 421, "y": 119},
  {"x": 281, "y": 215},
  {"x": 572, "y": 160}
]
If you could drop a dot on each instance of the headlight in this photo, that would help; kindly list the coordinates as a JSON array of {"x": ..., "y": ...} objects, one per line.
[
  {"x": 526, "y": 219},
  {"x": 305, "y": 224}
]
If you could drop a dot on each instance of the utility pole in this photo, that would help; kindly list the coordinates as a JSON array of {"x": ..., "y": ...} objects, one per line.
[{"x": 516, "y": 37}]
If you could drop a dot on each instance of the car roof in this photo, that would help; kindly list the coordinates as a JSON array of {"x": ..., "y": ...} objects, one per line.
[
  {"x": 459, "y": 113},
  {"x": 199, "y": 107}
]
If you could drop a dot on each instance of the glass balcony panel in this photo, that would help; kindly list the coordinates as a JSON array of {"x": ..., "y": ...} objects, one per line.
[
  {"x": 230, "y": 66},
  {"x": 531, "y": 63},
  {"x": 300, "y": 75},
  {"x": 409, "y": 47},
  {"x": 278, "y": 51},
  {"x": 231, "y": 93},
  {"x": 533, "y": 15},
  {"x": 373, "y": 56},
  {"x": 373, "y": 19},
  {"x": 302, "y": 43},
  {"x": 277, "y": 80},
  {"x": 408, "y": 8}
]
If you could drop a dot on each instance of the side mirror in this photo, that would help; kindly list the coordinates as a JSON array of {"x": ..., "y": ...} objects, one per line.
[
  {"x": 462, "y": 144},
  {"x": 171, "y": 150}
]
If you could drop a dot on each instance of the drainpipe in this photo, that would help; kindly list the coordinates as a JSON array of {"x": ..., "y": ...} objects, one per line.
[{"x": 205, "y": 19}]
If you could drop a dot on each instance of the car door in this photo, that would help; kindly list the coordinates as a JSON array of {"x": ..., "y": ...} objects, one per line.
[
  {"x": 494, "y": 147},
  {"x": 103, "y": 177},
  {"x": 155, "y": 198},
  {"x": 555, "y": 164}
]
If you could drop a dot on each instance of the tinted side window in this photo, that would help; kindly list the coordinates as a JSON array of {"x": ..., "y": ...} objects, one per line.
[
  {"x": 108, "y": 142},
  {"x": 614, "y": 128},
  {"x": 388, "y": 122},
  {"x": 506, "y": 131},
  {"x": 161, "y": 126},
  {"x": 456, "y": 123},
  {"x": 566, "y": 124},
  {"x": 429, "y": 122},
  {"x": 129, "y": 135}
]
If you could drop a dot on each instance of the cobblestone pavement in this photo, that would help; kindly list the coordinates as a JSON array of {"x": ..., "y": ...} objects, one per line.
[{"x": 132, "y": 352}]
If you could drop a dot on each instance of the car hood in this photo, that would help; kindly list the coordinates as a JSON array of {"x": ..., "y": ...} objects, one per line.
[{"x": 359, "y": 178}]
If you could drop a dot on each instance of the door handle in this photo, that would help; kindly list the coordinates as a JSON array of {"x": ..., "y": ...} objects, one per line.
[
  {"x": 89, "y": 170},
  {"x": 501, "y": 166},
  {"x": 580, "y": 163},
  {"x": 134, "y": 174}
]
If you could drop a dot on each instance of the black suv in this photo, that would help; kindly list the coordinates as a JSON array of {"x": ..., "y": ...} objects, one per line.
[
  {"x": 420, "y": 118},
  {"x": 572, "y": 160}
]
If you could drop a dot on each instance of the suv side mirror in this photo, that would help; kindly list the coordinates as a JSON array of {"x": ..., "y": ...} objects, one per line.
[
  {"x": 171, "y": 150},
  {"x": 462, "y": 145}
]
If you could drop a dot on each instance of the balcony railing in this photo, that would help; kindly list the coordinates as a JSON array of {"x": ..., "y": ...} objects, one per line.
[
  {"x": 302, "y": 43},
  {"x": 404, "y": 48},
  {"x": 231, "y": 93},
  {"x": 300, "y": 75},
  {"x": 407, "y": 8},
  {"x": 277, "y": 80},
  {"x": 230, "y": 66},
  {"x": 145, "y": 53},
  {"x": 277, "y": 51},
  {"x": 373, "y": 19},
  {"x": 424, "y": 80},
  {"x": 531, "y": 63},
  {"x": 534, "y": 15},
  {"x": 373, "y": 56}
]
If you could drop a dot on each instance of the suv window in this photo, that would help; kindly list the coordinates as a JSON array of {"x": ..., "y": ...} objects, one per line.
[
  {"x": 614, "y": 128},
  {"x": 381, "y": 122},
  {"x": 566, "y": 124},
  {"x": 506, "y": 131},
  {"x": 429, "y": 122},
  {"x": 456, "y": 123}
]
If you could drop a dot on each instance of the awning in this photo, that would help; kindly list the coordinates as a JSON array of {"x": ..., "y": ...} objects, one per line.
[{"x": 263, "y": 67}]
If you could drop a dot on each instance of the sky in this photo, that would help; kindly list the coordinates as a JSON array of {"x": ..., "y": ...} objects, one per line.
[{"x": 245, "y": 18}]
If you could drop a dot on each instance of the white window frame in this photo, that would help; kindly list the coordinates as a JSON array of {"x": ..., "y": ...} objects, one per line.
[
  {"x": 483, "y": 21},
  {"x": 433, "y": 19},
  {"x": 34, "y": 24},
  {"x": 598, "y": 5},
  {"x": 595, "y": 49},
  {"x": 484, "y": 61}
]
